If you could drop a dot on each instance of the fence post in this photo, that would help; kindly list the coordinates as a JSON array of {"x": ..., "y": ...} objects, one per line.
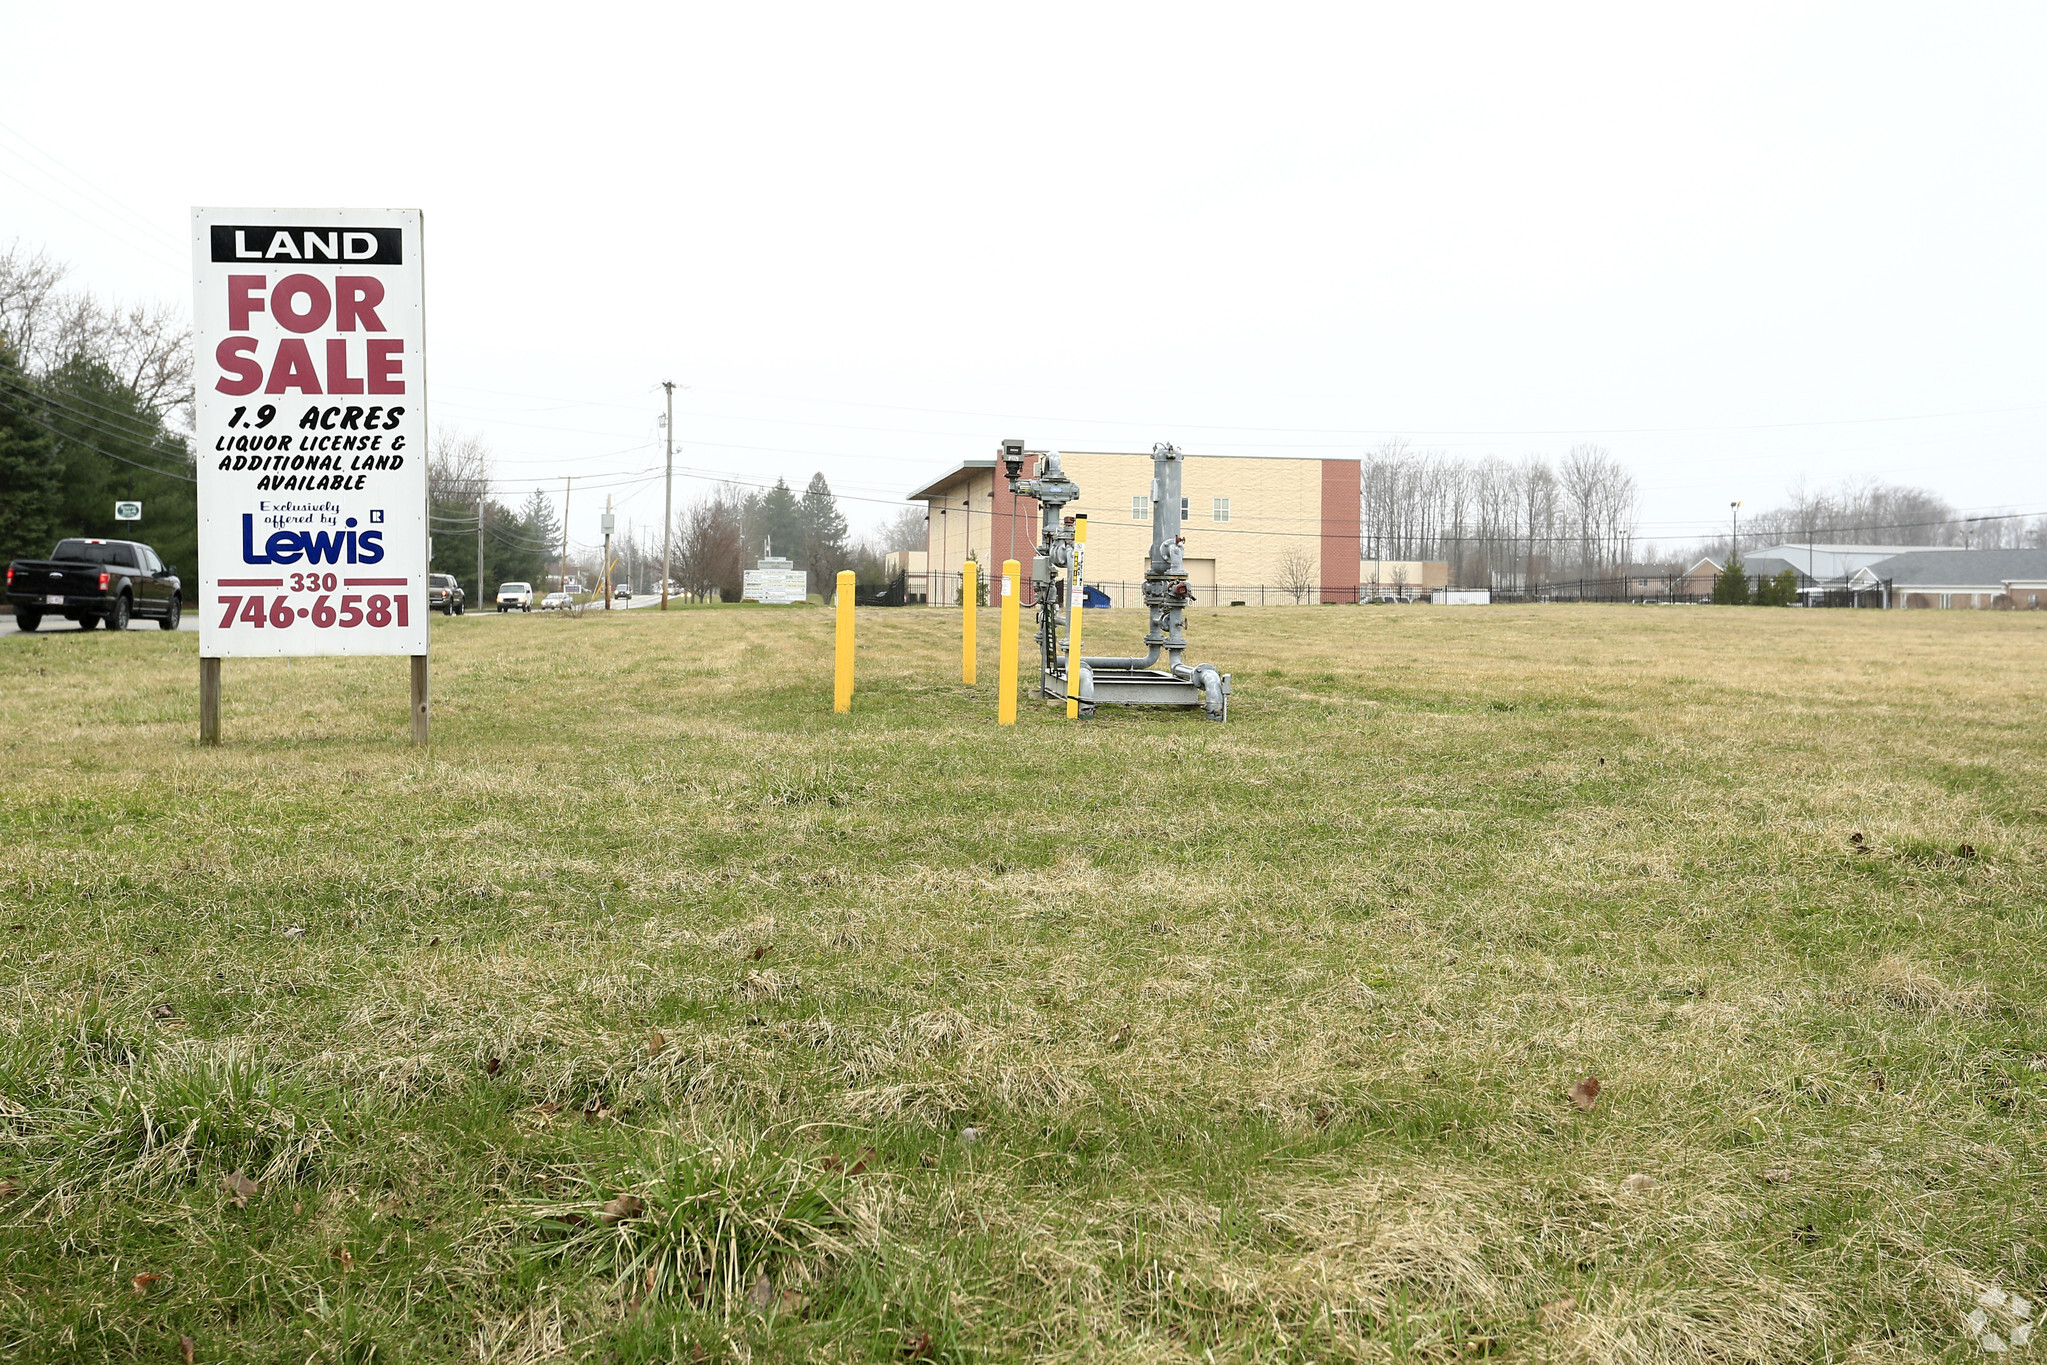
[
  {"x": 842, "y": 671},
  {"x": 1005, "y": 675}
]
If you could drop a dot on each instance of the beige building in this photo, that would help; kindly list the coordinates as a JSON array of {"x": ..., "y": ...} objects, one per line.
[{"x": 1256, "y": 529}]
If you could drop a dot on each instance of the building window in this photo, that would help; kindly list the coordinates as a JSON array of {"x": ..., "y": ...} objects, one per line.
[
  {"x": 1140, "y": 507},
  {"x": 1185, "y": 516},
  {"x": 1220, "y": 509}
]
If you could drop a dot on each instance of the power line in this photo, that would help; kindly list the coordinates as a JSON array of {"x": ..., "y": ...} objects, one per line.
[{"x": 71, "y": 437}]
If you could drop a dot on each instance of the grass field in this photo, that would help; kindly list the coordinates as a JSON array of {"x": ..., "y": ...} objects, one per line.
[{"x": 655, "y": 1013}]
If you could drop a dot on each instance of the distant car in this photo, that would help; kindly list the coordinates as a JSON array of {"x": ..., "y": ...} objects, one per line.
[
  {"x": 90, "y": 581},
  {"x": 557, "y": 601},
  {"x": 444, "y": 594},
  {"x": 515, "y": 597},
  {"x": 623, "y": 593}
]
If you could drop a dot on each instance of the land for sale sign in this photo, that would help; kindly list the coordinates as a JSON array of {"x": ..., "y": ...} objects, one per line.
[{"x": 309, "y": 327}]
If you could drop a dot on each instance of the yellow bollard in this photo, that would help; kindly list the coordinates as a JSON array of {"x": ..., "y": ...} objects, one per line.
[
  {"x": 842, "y": 673},
  {"x": 1005, "y": 676},
  {"x": 1073, "y": 615},
  {"x": 970, "y": 590}
]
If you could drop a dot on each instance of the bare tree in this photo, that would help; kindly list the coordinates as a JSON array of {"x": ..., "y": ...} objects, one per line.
[
  {"x": 458, "y": 468},
  {"x": 147, "y": 347},
  {"x": 1296, "y": 569},
  {"x": 710, "y": 541}
]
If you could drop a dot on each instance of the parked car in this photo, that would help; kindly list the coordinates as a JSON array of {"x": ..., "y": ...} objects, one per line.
[
  {"x": 557, "y": 601},
  {"x": 622, "y": 593},
  {"x": 90, "y": 581},
  {"x": 515, "y": 597},
  {"x": 444, "y": 594}
]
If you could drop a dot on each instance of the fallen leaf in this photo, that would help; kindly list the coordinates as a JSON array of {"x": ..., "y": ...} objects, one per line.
[
  {"x": 493, "y": 1066},
  {"x": 763, "y": 1292},
  {"x": 927, "y": 1157},
  {"x": 1777, "y": 1175},
  {"x": 1558, "y": 1311},
  {"x": 657, "y": 1043},
  {"x": 970, "y": 1135},
  {"x": 141, "y": 1284},
  {"x": 791, "y": 1301},
  {"x": 1965, "y": 851},
  {"x": 1585, "y": 1094},
  {"x": 8, "y": 1189},
  {"x": 760, "y": 952},
  {"x": 347, "y": 1259},
  {"x": 434, "y": 942},
  {"x": 594, "y": 1111},
  {"x": 240, "y": 1186},
  {"x": 294, "y": 932},
  {"x": 1876, "y": 1079},
  {"x": 185, "y": 1350},
  {"x": 1120, "y": 1038},
  {"x": 547, "y": 1109},
  {"x": 1639, "y": 1183},
  {"x": 162, "y": 1012},
  {"x": 1856, "y": 837},
  {"x": 653, "y": 1277},
  {"x": 624, "y": 1207},
  {"x": 916, "y": 1344},
  {"x": 861, "y": 1164}
]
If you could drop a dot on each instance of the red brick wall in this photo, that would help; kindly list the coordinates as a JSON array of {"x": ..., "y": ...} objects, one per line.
[
  {"x": 1342, "y": 528},
  {"x": 1015, "y": 532}
]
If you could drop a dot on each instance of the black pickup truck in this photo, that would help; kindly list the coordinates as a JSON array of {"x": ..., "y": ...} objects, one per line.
[{"x": 90, "y": 581}]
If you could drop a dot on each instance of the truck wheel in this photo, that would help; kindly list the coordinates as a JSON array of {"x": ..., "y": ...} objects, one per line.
[
  {"x": 172, "y": 616},
  {"x": 117, "y": 619},
  {"x": 27, "y": 620},
  {"x": 460, "y": 607}
]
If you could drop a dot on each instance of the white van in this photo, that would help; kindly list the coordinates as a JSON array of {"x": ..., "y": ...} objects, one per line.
[{"x": 515, "y": 597}]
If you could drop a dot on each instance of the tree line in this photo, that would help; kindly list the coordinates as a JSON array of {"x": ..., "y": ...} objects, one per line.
[
  {"x": 1499, "y": 522},
  {"x": 95, "y": 407},
  {"x": 719, "y": 535}
]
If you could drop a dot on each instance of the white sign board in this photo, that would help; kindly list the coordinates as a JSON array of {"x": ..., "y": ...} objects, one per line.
[
  {"x": 775, "y": 587},
  {"x": 309, "y": 332},
  {"x": 127, "y": 511}
]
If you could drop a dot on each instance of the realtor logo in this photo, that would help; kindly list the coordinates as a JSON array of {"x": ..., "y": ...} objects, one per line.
[{"x": 127, "y": 511}]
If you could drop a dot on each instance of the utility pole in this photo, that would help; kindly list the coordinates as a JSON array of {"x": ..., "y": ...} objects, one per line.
[
  {"x": 568, "y": 486},
  {"x": 479, "y": 546},
  {"x": 609, "y": 522},
  {"x": 1734, "y": 550},
  {"x": 668, "y": 490}
]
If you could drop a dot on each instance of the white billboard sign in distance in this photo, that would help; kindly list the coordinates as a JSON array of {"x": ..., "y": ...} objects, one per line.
[{"x": 309, "y": 327}]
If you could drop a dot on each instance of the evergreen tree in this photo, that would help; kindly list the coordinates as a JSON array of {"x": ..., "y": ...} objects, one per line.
[
  {"x": 1730, "y": 589},
  {"x": 824, "y": 533},
  {"x": 775, "y": 521},
  {"x": 113, "y": 445},
  {"x": 30, "y": 485}
]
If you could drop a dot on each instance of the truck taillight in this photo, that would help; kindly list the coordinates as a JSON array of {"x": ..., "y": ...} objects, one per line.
[
  {"x": 10, "y": 575},
  {"x": 103, "y": 580}
]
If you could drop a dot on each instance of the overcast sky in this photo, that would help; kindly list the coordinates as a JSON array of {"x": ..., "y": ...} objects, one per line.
[{"x": 1737, "y": 245}]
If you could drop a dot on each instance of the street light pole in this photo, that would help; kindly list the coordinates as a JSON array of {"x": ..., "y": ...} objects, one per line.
[{"x": 668, "y": 491}]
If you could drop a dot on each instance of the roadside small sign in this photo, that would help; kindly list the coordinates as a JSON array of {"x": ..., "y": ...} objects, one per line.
[{"x": 127, "y": 511}]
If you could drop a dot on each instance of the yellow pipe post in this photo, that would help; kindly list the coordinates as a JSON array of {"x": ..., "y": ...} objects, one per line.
[
  {"x": 842, "y": 673},
  {"x": 1005, "y": 676},
  {"x": 1073, "y": 613},
  {"x": 970, "y": 591}
]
